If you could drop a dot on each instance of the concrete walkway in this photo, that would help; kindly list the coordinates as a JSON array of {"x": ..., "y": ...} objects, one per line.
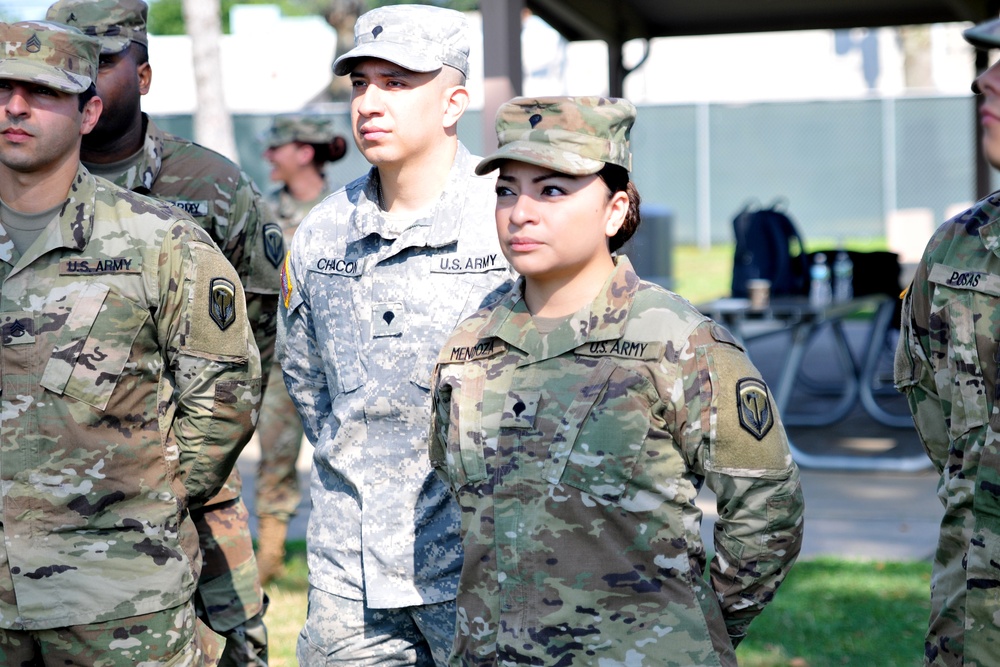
[{"x": 854, "y": 514}]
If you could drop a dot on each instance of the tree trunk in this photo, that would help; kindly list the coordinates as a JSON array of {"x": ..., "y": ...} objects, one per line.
[
  {"x": 915, "y": 43},
  {"x": 213, "y": 125},
  {"x": 341, "y": 15}
]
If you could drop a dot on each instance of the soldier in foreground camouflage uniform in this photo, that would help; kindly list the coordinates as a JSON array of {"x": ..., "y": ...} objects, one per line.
[
  {"x": 127, "y": 148},
  {"x": 946, "y": 364},
  {"x": 131, "y": 382},
  {"x": 578, "y": 418},
  {"x": 376, "y": 278},
  {"x": 298, "y": 147}
]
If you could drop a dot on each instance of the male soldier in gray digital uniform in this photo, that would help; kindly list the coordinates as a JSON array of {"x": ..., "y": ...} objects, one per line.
[
  {"x": 946, "y": 364},
  {"x": 377, "y": 277},
  {"x": 129, "y": 149}
]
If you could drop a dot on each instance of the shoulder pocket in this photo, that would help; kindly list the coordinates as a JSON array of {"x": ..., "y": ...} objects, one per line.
[{"x": 218, "y": 319}]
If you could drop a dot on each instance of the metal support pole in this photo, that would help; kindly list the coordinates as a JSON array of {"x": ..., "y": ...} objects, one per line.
[{"x": 502, "y": 61}]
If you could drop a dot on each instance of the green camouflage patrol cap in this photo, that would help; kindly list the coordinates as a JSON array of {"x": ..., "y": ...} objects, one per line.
[
  {"x": 418, "y": 37},
  {"x": 51, "y": 54},
  {"x": 572, "y": 135},
  {"x": 307, "y": 129},
  {"x": 985, "y": 35},
  {"x": 114, "y": 22}
]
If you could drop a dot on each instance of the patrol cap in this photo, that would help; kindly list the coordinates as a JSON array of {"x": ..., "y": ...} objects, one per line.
[
  {"x": 420, "y": 38},
  {"x": 308, "y": 129},
  {"x": 51, "y": 54},
  {"x": 114, "y": 22},
  {"x": 572, "y": 135},
  {"x": 985, "y": 35}
]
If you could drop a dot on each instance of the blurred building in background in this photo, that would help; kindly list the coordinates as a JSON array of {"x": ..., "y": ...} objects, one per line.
[{"x": 851, "y": 127}]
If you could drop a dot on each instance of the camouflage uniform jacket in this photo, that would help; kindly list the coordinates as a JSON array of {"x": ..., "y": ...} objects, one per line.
[
  {"x": 946, "y": 364},
  {"x": 130, "y": 381},
  {"x": 225, "y": 202},
  {"x": 576, "y": 457},
  {"x": 289, "y": 211},
  {"x": 365, "y": 311}
]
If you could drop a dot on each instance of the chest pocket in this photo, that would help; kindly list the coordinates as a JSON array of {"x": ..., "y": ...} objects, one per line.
[
  {"x": 602, "y": 432},
  {"x": 93, "y": 346},
  {"x": 465, "y": 294},
  {"x": 957, "y": 347},
  {"x": 465, "y": 432},
  {"x": 335, "y": 298}
]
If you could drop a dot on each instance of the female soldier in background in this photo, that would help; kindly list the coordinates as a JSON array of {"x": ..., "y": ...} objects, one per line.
[
  {"x": 577, "y": 418},
  {"x": 298, "y": 148}
]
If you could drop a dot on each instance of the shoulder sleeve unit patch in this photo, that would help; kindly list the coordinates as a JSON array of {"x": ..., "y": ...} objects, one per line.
[
  {"x": 754, "y": 407},
  {"x": 274, "y": 244}
]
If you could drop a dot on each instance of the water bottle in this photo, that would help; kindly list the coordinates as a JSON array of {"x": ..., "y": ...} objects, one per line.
[
  {"x": 820, "y": 290},
  {"x": 843, "y": 277}
]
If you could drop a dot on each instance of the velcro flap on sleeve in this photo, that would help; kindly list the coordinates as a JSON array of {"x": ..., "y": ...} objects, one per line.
[
  {"x": 219, "y": 312},
  {"x": 747, "y": 434}
]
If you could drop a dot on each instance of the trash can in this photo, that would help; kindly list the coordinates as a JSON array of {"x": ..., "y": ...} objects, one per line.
[{"x": 651, "y": 249}]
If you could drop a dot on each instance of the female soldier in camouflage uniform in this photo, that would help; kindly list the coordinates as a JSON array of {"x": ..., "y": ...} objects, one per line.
[
  {"x": 298, "y": 148},
  {"x": 577, "y": 418}
]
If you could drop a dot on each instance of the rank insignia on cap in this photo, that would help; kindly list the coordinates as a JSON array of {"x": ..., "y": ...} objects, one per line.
[
  {"x": 222, "y": 302},
  {"x": 274, "y": 244},
  {"x": 754, "y": 408},
  {"x": 33, "y": 45}
]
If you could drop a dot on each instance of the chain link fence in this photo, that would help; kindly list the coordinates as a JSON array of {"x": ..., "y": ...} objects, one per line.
[{"x": 841, "y": 166}]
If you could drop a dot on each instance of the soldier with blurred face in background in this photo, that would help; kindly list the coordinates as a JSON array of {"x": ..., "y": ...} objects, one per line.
[
  {"x": 126, "y": 147},
  {"x": 131, "y": 381},
  {"x": 299, "y": 146}
]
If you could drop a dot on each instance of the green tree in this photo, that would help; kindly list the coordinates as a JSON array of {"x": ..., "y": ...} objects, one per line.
[{"x": 166, "y": 17}]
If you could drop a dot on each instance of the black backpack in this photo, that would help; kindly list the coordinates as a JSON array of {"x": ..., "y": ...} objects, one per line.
[{"x": 768, "y": 246}]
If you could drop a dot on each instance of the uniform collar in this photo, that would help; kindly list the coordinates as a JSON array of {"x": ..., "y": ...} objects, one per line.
[
  {"x": 142, "y": 174},
  {"x": 444, "y": 222},
  {"x": 603, "y": 319},
  {"x": 75, "y": 223}
]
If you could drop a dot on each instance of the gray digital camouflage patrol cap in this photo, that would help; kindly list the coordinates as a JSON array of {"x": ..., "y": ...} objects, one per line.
[
  {"x": 51, "y": 54},
  {"x": 308, "y": 129},
  {"x": 114, "y": 22},
  {"x": 420, "y": 38},
  {"x": 985, "y": 35},
  {"x": 571, "y": 135}
]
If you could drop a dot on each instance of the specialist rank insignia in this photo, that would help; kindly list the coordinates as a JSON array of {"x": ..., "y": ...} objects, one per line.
[
  {"x": 274, "y": 244},
  {"x": 222, "y": 302},
  {"x": 754, "y": 407}
]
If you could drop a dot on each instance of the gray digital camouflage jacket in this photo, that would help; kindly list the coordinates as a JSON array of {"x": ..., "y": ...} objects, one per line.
[
  {"x": 576, "y": 457},
  {"x": 365, "y": 309}
]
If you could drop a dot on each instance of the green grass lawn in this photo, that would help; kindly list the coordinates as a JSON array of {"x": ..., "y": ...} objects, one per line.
[{"x": 829, "y": 612}]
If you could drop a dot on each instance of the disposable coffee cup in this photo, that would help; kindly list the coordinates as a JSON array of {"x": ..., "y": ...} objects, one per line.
[{"x": 759, "y": 291}]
